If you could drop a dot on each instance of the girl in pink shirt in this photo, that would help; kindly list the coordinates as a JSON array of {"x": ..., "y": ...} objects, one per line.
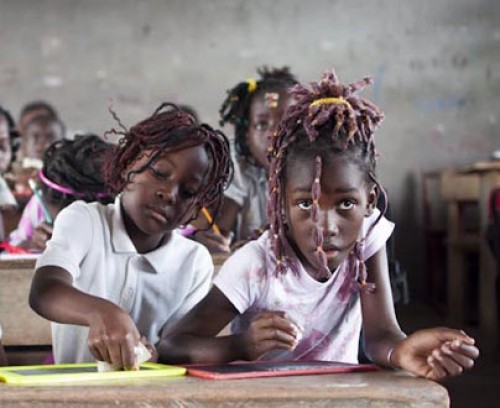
[{"x": 305, "y": 288}]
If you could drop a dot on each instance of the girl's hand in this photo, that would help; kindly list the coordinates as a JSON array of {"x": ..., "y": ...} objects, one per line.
[
  {"x": 269, "y": 331},
  {"x": 152, "y": 350},
  {"x": 113, "y": 336},
  {"x": 436, "y": 353},
  {"x": 40, "y": 236},
  {"x": 214, "y": 242}
]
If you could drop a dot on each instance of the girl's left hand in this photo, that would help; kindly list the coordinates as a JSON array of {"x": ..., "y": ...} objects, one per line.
[
  {"x": 436, "y": 353},
  {"x": 41, "y": 235}
]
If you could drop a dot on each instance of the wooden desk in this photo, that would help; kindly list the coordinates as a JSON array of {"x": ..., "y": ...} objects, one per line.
[
  {"x": 21, "y": 326},
  {"x": 471, "y": 185},
  {"x": 382, "y": 389}
]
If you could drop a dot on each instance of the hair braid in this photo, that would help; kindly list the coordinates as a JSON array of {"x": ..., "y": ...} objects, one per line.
[{"x": 328, "y": 117}]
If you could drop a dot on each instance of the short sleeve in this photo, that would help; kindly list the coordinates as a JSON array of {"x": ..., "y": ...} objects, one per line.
[
  {"x": 242, "y": 275},
  {"x": 378, "y": 235},
  {"x": 237, "y": 190},
  {"x": 31, "y": 217},
  {"x": 71, "y": 239}
]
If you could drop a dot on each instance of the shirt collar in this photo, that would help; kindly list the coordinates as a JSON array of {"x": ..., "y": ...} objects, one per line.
[{"x": 120, "y": 238}]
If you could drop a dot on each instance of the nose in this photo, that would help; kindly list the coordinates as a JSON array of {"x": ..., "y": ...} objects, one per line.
[
  {"x": 168, "y": 194},
  {"x": 329, "y": 222}
]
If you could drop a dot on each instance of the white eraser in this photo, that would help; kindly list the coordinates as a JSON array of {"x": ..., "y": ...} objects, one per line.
[{"x": 142, "y": 354}]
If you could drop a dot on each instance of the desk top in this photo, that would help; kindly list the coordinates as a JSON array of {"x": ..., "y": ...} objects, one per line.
[{"x": 384, "y": 388}]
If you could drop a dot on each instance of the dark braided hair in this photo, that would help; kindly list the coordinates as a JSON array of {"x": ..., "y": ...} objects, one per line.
[
  {"x": 75, "y": 165},
  {"x": 236, "y": 107},
  {"x": 328, "y": 118},
  {"x": 13, "y": 133},
  {"x": 170, "y": 129}
]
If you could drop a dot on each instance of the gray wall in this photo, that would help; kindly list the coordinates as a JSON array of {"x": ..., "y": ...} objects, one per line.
[{"x": 435, "y": 63}]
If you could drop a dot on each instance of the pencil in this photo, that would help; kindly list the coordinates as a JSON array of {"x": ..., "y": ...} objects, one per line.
[
  {"x": 38, "y": 195},
  {"x": 210, "y": 220}
]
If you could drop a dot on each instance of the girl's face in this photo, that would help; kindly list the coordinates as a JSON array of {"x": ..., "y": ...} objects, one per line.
[
  {"x": 157, "y": 200},
  {"x": 345, "y": 201},
  {"x": 266, "y": 111},
  {"x": 5, "y": 148},
  {"x": 38, "y": 137}
]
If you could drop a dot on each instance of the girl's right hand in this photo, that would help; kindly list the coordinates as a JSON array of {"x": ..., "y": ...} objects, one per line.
[
  {"x": 269, "y": 331},
  {"x": 113, "y": 336}
]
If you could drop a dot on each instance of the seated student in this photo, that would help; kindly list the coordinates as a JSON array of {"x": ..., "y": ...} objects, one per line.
[
  {"x": 33, "y": 109},
  {"x": 72, "y": 170},
  {"x": 304, "y": 289},
  {"x": 39, "y": 133},
  {"x": 254, "y": 108},
  {"x": 3, "y": 356},
  {"x": 111, "y": 274}
]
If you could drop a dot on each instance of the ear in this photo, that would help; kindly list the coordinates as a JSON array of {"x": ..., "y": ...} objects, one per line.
[{"x": 372, "y": 201}]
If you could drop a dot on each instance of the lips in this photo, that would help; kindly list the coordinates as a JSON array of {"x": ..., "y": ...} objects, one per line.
[{"x": 160, "y": 215}]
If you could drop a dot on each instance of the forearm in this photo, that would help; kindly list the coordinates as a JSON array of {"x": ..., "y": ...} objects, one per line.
[
  {"x": 379, "y": 349},
  {"x": 188, "y": 349},
  {"x": 56, "y": 299}
]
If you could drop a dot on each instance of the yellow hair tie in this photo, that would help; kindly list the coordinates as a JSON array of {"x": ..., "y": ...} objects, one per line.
[
  {"x": 329, "y": 101},
  {"x": 252, "y": 85}
]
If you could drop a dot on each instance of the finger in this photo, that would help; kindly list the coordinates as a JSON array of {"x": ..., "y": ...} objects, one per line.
[
  {"x": 274, "y": 334},
  {"x": 115, "y": 354},
  {"x": 450, "y": 366},
  {"x": 129, "y": 359},
  {"x": 270, "y": 345},
  {"x": 437, "y": 372},
  {"x": 447, "y": 334},
  {"x": 463, "y": 358},
  {"x": 99, "y": 350},
  {"x": 465, "y": 349},
  {"x": 46, "y": 228}
]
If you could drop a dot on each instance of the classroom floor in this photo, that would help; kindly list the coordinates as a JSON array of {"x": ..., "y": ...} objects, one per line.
[{"x": 477, "y": 388}]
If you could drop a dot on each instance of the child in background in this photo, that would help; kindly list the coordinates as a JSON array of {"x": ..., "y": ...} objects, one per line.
[
  {"x": 304, "y": 289},
  {"x": 38, "y": 134},
  {"x": 34, "y": 109},
  {"x": 111, "y": 274},
  {"x": 8, "y": 133},
  {"x": 254, "y": 108},
  {"x": 72, "y": 170},
  {"x": 3, "y": 357}
]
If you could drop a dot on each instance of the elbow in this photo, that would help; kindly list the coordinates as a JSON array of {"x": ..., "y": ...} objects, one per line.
[{"x": 170, "y": 351}]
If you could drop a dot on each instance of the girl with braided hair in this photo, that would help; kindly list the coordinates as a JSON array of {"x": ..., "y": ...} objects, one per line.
[
  {"x": 112, "y": 276},
  {"x": 72, "y": 170},
  {"x": 304, "y": 289},
  {"x": 254, "y": 108}
]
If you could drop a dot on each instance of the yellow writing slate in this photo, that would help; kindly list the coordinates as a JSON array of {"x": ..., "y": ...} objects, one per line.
[{"x": 69, "y": 373}]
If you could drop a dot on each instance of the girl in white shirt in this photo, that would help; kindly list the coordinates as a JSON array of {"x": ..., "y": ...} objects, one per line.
[
  {"x": 113, "y": 274},
  {"x": 305, "y": 288}
]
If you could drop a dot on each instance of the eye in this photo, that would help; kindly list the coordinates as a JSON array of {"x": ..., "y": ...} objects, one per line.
[
  {"x": 158, "y": 174},
  {"x": 188, "y": 192},
  {"x": 305, "y": 204},
  {"x": 346, "y": 205},
  {"x": 261, "y": 126}
]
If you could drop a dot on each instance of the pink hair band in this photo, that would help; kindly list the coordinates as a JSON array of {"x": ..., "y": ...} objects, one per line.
[{"x": 64, "y": 190}]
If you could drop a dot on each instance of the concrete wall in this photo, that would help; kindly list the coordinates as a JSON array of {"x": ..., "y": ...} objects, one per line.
[{"x": 435, "y": 63}]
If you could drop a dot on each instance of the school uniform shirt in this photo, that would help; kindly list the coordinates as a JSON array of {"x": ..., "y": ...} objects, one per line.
[
  {"x": 329, "y": 312},
  {"x": 249, "y": 190},
  {"x": 31, "y": 218},
  {"x": 157, "y": 288}
]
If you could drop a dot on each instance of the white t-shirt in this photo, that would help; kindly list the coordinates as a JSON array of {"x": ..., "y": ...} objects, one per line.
[
  {"x": 156, "y": 288},
  {"x": 249, "y": 190},
  {"x": 329, "y": 312}
]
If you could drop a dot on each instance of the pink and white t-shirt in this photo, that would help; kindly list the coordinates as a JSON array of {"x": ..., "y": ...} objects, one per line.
[{"x": 329, "y": 314}]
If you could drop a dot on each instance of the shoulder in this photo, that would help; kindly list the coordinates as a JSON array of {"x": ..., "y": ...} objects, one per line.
[
  {"x": 254, "y": 253},
  {"x": 376, "y": 232}
]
